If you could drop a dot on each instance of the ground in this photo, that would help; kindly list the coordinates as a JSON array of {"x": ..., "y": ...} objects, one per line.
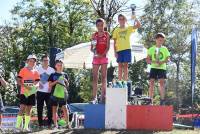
[{"x": 85, "y": 131}]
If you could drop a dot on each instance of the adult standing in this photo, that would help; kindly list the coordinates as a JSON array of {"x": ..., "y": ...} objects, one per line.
[{"x": 43, "y": 93}]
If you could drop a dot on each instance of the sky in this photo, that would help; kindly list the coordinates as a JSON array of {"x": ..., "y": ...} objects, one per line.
[{"x": 7, "y": 5}]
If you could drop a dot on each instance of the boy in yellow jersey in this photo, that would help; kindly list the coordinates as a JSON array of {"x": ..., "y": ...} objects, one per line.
[{"x": 122, "y": 47}]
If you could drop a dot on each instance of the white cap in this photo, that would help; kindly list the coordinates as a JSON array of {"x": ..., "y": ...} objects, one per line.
[
  {"x": 162, "y": 34},
  {"x": 31, "y": 57}
]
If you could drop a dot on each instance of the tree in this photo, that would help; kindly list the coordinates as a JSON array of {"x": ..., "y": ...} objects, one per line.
[
  {"x": 38, "y": 26},
  {"x": 107, "y": 9}
]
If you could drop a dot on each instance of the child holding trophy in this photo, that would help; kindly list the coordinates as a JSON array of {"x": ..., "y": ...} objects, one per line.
[
  {"x": 99, "y": 46},
  {"x": 122, "y": 47},
  {"x": 158, "y": 56}
]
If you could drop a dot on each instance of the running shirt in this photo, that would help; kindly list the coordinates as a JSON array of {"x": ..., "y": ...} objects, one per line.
[
  {"x": 122, "y": 37},
  {"x": 44, "y": 76},
  {"x": 161, "y": 55},
  {"x": 102, "y": 42},
  {"x": 28, "y": 77},
  {"x": 58, "y": 76}
]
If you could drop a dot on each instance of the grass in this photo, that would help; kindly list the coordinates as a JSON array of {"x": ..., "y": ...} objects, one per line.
[{"x": 90, "y": 131}]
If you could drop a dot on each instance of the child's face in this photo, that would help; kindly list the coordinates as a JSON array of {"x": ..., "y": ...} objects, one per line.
[
  {"x": 59, "y": 67},
  {"x": 31, "y": 63},
  {"x": 100, "y": 26},
  {"x": 160, "y": 41},
  {"x": 122, "y": 21}
]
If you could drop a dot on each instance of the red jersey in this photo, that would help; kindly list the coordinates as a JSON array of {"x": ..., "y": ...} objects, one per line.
[{"x": 102, "y": 42}]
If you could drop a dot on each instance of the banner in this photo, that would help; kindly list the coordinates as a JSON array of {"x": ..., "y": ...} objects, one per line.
[{"x": 193, "y": 60}]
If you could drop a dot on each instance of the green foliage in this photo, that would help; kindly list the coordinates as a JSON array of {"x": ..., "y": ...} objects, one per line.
[
  {"x": 138, "y": 75},
  {"x": 86, "y": 86},
  {"x": 39, "y": 26}
]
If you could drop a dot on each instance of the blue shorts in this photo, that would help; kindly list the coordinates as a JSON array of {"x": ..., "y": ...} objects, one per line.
[{"x": 124, "y": 56}]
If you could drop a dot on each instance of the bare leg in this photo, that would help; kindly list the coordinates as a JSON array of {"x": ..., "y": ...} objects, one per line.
[
  {"x": 125, "y": 70},
  {"x": 151, "y": 88},
  {"x": 21, "y": 110},
  {"x": 104, "y": 80},
  {"x": 54, "y": 111},
  {"x": 161, "y": 88},
  {"x": 65, "y": 114},
  {"x": 95, "y": 73},
  {"x": 28, "y": 110},
  {"x": 120, "y": 65}
]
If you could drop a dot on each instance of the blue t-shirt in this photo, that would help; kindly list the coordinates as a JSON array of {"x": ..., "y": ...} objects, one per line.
[{"x": 55, "y": 76}]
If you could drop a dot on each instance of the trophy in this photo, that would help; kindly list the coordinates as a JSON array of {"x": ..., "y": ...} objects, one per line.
[
  {"x": 94, "y": 43},
  {"x": 157, "y": 54},
  {"x": 133, "y": 7}
]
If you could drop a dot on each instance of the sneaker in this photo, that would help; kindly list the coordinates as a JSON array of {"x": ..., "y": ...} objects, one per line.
[
  {"x": 94, "y": 101},
  {"x": 27, "y": 130},
  {"x": 162, "y": 102},
  {"x": 119, "y": 84},
  {"x": 125, "y": 84},
  {"x": 103, "y": 101},
  {"x": 18, "y": 130},
  {"x": 69, "y": 126},
  {"x": 149, "y": 101},
  {"x": 55, "y": 128}
]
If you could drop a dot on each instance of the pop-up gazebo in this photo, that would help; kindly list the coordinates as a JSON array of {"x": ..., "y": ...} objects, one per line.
[{"x": 80, "y": 56}]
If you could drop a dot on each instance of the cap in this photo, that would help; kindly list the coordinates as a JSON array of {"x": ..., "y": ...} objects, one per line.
[
  {"x": 160, "y": 35},
  {"x": 31, "y": 57},
  {"x": 59, "y": 60}
]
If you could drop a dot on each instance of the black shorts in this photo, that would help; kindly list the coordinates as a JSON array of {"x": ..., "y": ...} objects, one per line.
[
  {"x": 30, "y": 101},
  {"x": 157, "y": 74},
  {"x": 54, "y": 101}
]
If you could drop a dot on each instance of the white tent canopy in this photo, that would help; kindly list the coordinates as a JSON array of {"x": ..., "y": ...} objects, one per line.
[{"x": 80, "y": 56}]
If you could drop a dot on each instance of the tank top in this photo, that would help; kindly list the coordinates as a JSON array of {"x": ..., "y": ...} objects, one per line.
[{"x": 101, "y": 42}]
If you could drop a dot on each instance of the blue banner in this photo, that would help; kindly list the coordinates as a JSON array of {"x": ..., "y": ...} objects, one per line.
[{"x": 193, "y": 60}]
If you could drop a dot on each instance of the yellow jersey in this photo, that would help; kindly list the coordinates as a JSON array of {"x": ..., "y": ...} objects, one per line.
[{"x": 122, "y": 37}]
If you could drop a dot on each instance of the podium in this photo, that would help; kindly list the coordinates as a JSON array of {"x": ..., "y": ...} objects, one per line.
[
  {"x": 117, "y": 114},
  {"x": 116, "y": 104},
  {"x": 156, "y": 118}
]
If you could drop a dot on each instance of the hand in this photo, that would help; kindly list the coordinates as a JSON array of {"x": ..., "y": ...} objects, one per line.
[
  {"x": 49, "y": 89},
  {"x": 149, "y": 61},
  {"x": 99, "y": 56},
  {"x": 116, "y": 55},
  {"x": 159, "y": 63},
  {"x": 41, "y": 86},
  {"x": 28, "y": 87}
]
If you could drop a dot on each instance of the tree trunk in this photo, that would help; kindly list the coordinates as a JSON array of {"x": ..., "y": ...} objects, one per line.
[{"x": 177, "y": 83}]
